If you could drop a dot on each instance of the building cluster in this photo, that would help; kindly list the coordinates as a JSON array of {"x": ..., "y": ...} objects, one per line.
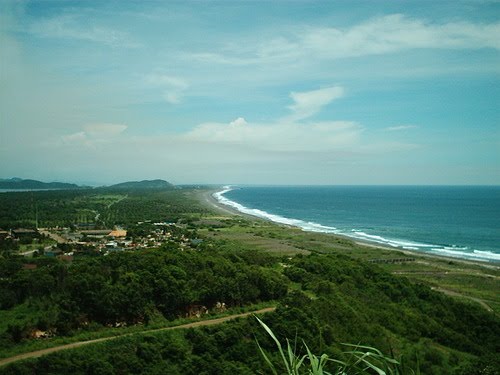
[
  {"x": 19, "y": 234},
  {"x": 11, "y": 240},
  {"x": 70, "y": 243}
]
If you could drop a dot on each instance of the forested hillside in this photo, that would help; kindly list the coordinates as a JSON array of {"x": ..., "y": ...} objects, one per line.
[
  {"x": 19, "y": 183},
  {"x": 145, "y": 184},
  {"x": 102, "y": 207}
]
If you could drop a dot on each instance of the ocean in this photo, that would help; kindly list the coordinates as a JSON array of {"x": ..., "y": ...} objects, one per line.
[{"x": 454, "y": 221}]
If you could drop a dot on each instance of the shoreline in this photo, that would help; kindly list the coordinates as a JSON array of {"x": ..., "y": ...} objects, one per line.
[{"x": 211, "y": 201}]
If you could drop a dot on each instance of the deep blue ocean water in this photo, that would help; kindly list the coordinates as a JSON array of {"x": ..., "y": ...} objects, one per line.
[{"x": 455, "y": 221}]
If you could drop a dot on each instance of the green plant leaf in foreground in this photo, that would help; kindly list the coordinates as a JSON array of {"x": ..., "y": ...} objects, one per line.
[{"x": 363, "y": 360}]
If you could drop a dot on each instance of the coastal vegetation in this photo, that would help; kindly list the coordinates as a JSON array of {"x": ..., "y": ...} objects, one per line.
[
  {"x": 327, "y": 291},
  {"x": 100, "y": 207},
  {"x": 145, "y": 184}
]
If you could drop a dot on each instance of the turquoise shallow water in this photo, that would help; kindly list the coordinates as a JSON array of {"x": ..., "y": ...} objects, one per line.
[{"x": 455, "y": 221}]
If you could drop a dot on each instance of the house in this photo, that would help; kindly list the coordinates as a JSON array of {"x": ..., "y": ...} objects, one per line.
[
  {"x": 86, "y": 226},
  {"x": 96, "y": 233},
  {"x": 4, "y": 234},
  {"x": 118, "y": 233},
  {"x": 196, "y": 311},
  {"x": 53, "y": 252},
  {"x": 22, "y": 233}
]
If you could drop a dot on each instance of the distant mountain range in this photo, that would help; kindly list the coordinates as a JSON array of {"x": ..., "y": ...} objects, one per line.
[
  {"x": 145, "y": 184},
  {"x": 21, "y": 184},
  {"x": 28, "y": 184}
]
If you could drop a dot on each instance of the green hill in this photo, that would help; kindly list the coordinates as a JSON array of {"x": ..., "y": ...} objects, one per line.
[
  {"x": 22, "y": 184},
  {"x": 145, "y": 184}
]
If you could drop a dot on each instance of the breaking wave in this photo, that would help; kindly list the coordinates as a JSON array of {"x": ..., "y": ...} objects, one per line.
[{"x": 449, "y": 251}]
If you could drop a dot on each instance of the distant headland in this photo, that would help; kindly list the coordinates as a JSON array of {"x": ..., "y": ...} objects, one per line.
[
  {"x": 16, "y": 183},
  {"x": 28, "y": 184}
]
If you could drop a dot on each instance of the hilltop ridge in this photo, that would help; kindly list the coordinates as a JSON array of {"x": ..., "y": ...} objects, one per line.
[
  {"x": 19, "y": 183},
  {"x": 144, "y": 184}
]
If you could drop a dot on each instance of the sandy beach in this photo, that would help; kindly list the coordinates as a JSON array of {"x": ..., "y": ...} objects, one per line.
[{"x": 207, "y": 197}]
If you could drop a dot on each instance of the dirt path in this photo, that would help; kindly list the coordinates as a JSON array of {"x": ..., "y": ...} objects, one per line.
[
  {"x": 52, "y": 235},
  {"x": 456, "y": 294},
  {"x": 39, "y": 353}
]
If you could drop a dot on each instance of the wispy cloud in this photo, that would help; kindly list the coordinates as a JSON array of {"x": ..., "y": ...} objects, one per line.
[
  {"x": 72, "y": 26},
  {"x": 400, "y": 127},
  {"x": 104, "y": 130},
  {"x": 200, "y": 93},
  {"x": 397, "y": 32},
  {"x": 280, "y": 136},
  {"x": 376, "y": 36},
  {"x": 309, "y": 103},
  {"x": 231, "y": 148},
  {"x": 286, "y": 134},
  {"x": 75, "y": 137},
  {"x": 95, "y": 133},
  {"x": 172, "y": 87}
]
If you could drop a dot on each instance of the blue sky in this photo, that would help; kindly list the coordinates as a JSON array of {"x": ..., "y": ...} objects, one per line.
[{"x": 255, "y": 92}]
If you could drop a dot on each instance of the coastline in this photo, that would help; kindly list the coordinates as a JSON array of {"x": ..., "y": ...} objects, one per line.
[
  {"x": 208, "y": 198},
  {"x": 211, "y": 201}
]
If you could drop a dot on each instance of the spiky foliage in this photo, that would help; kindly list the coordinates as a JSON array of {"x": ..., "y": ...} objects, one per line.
[{"x": 361, "y": 360}]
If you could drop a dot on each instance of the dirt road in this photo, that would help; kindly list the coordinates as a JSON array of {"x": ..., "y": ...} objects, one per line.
[
  {"x": 457, "y": 294},
  {"x": 39, "y": 353},
  {"x": 52, "y": 235}
]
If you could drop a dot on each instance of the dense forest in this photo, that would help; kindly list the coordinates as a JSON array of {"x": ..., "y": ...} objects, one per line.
[
  {"x": 322, "y": 299},
  {"x": 332, "y": 300},
  {"x": 130, "y": 287},
  {"x": 145, "y": 184},
  {"x": 104, "y": 207}
]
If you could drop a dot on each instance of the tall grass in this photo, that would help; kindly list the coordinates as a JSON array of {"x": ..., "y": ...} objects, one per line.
[{"x": 361, "y": 360}]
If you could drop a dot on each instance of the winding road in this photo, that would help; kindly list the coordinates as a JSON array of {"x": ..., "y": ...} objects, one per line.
[{"x": 202, "y": 323}]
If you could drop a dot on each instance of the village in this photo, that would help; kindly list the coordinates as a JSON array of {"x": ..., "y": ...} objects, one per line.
[{"x": 67, "y": 243}]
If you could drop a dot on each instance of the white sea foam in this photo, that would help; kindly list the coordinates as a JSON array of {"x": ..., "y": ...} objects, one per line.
[
  {"x": 451, "y": 251},
  {"x": 366, "y": 236},
  {"x": 387, "y": 241},
  {"x": 455, "y": 248},
  {"x": 315, "y": 227},
  {"x": 487, "y": 255},
  {"x": 475, "y": 254},
  {"x": 253, "y": 211}
]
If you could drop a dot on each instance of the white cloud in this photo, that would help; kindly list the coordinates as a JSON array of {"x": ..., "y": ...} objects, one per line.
[
  {"x": 280, "y": 136},
  {"x": 309, "y": 103},
  {"x": 167, "y": 80},
  {"x": 72, "y": 26},
  {"x": 241, "y": 150},
  {"x": 286, "y": 134},
  {"x": 379, "y": 35},
  {"x": 172, "y": 87},
  {"x": 104, "y": 130},
  {"x": 75, "y": 137},
  {"x": 93, "y": 134},
  {"x": 240, "y": 121},
  {"x": 400, "y": 127},
  {"x": 387, "y": 147},
  {"x": 171, "y": 98},
  {"x": 397, "y": 32}
]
